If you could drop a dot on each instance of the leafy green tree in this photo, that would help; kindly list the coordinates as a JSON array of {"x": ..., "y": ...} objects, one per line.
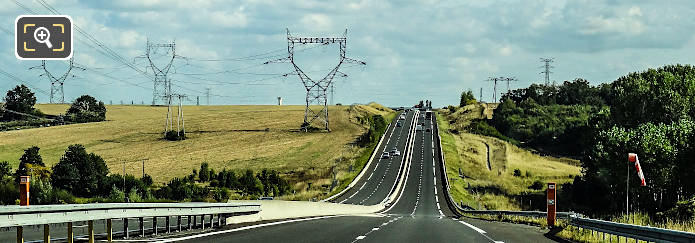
[
  {"x": 19, "y": 99},
  {"x": 467, "y": 98},
  {"x": 79, "y": 172},
  {"x": 31, "y": 156},
  {"x": 86, "y": 109},
  {"x": 4, "y": 169},
  {"x": 204, "y": 174},
  {"x": 251, "y": 185},
  {"x": 147, "y": 180}
]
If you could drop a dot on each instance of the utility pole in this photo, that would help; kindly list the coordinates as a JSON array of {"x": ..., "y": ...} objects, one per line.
[
  {"x": 143, "y": 166},
  {"x": 316, "y": 89},
  {"x": 207, "y": 95},
  {"x": 547, "y": 67},
  {"x": 512, "y": 79},
  {"x": 197, "y": 100},
  {"x": 57, "y": 82},
  {"x": 180, "y": 122},
  {"x": 332, "y": 93},
  {"x": 481, "y": 95},
  {"x": 494, "y": 88},
  {"x": 162, "y": 85}
]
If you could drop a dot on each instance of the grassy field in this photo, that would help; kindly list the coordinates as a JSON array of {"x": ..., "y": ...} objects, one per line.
[
  {"x": 494, "y": 186},
  {"x": 231, "y": 137}
]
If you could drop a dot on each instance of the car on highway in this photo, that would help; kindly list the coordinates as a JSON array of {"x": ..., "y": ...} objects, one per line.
[
  {"x": 428, "y": 130},
  {"x": 418, "y": 128},
  {"x": 385, "y": 155},
  {"x": 395, "y": 152},
  {"x": 399, "y": 124},
  {"x": 402, "y": 117}
]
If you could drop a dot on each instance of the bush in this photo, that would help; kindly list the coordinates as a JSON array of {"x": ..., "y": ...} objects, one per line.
[
  {"x": 116, "y": 195},
  {"x": 221, "y": 195},
  {"x": 9, "y": 191},
  {"x": 4, "y": 169},
  {"x": 517, "y": 172},
  {"x": 31, "y": 156},
  {"x": 175, "y": 136},
  {"x": 537, "y": 185},
  {"x": 86, "y": 109},
  {"x": 204, "y": 174}
]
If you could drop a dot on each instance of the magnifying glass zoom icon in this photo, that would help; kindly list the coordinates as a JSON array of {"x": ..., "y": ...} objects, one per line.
[{"x": 42, "y": 35}]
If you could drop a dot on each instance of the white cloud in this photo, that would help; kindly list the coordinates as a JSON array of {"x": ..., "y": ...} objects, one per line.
[
  {"x": 233, "y": 19},
  {"x": 625, "y": 22},
  {"x": 319, "y": 22}
]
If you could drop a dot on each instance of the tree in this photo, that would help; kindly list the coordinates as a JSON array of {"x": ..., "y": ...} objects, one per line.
[
  {"x": 251, "y": 185},
  {"x": 19, "y": 99},
  {"x": 86, "y": 109},
  {"x": 147, "y": 179},
  {"x": 80, "y": 173},
  {"x": 4, "y": 169},
  {"x": 31, "y": 156},
  {"x": 467, "y": 98},
  {"x": 204, "y": 174}
]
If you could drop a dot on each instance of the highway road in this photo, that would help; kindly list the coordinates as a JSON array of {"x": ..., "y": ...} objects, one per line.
[{"x": 420, "y": 213}]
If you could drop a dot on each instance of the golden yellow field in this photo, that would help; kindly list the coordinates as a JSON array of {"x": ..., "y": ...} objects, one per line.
[
  {"x": 231, "y": 137},
  {"x": 494, "y": 186}
]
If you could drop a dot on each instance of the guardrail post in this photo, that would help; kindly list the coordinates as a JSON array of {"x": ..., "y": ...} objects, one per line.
[
  {"x": 178, "y": 224},
  {"x": 212, "y": 225},
  {"x": 109, "y": 230},
  {"x": 202, "y": 221},
  {"x": 20, "y": 234},
  {"x": 70, "y": 235},
  {"x": 47, "y": 233},
  {"x": 219, "y": 220},
  {"x": 168, "y": 228},
  {"x": 90, "y": 229},
  {"x": 189, "y": 222},
  {"x": 195, "y": 219},
  {"x": 142, "y": 226},
  {"x": 125, "y": 228},
  {"x": 154, "y": 225}
]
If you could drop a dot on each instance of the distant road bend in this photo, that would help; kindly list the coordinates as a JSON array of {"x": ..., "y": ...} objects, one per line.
[{"x": 419, "y": 214}]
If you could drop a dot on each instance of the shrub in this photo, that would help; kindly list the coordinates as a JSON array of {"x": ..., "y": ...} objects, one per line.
[
  {"x": 517, "y": 172},
  {"x": 537, "y": 185},
  {"x": 4, "y": 169},
  {"x": 86, "y": 109},
  {"x": 116, "y": 195},
  {"x": 175, "y": 136},
  {"x": 9, "y": 191}
]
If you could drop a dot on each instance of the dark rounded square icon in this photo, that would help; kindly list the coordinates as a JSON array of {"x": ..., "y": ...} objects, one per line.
[{"x": 43, "y": 37}]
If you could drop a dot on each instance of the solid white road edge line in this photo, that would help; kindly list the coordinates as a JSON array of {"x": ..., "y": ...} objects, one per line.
[{"x": 242, "y": 229}]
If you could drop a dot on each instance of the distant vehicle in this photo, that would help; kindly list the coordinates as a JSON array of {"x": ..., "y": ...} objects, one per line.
[
  {"x": 385, "y": 155},
  {"x": 395, "y": 152},
  {"x": 428, "y": 115},
  {"x": 418, "y": 128},
  {"x": 265, "y": 198},
  {"x": 399, "y": 124},
  {"x": 402, "y": 117},
  {"x": 428, "y": 130}
]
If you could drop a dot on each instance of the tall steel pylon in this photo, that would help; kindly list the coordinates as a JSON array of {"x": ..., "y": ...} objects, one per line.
[
  {"x": 58, "y": 81},
  {"x": 547, "y": 66},
  {"x": 162, "y": 84},
  {"x": 316, "y": 90}
]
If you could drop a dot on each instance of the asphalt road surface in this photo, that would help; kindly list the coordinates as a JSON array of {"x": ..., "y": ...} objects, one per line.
[{"x": 421, "y": 213}]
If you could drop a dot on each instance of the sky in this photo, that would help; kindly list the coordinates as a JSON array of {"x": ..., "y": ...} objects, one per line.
[{"x": 414, "y": 49}]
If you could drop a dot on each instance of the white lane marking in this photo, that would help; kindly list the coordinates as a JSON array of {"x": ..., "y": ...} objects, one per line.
[
  {"x": 473, "y": 227},
  {"x": 240, "y": 229},
  {"x": 375, "y": 229},
  {"x": 361, "y": 237}
]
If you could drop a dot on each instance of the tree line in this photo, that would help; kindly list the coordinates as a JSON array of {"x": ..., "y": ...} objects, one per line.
[
  {"x": 80, "y": 176},
  {"x": 650, "y": 113}
]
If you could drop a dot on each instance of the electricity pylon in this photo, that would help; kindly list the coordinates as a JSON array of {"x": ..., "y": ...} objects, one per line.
[
  {"x": 58, "y": 81},
  {"x": 316, "y": 89},
  {"x": 547, "y": 67},
  {"x": 162, "y": 85}
]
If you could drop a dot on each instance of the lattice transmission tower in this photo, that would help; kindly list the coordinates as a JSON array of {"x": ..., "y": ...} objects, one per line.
[
  {"x": 316, "y": 90},
  {"x": 546, "y": 65},
  {"x": 162, "y": 85},
  {"x": 57, "y": 82}
]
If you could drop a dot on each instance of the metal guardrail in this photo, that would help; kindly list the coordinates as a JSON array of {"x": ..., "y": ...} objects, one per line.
[
  {"x": 637, "y": 232},
  {"x": 11, "y": 216},
  {"x": 632, "y": 231}
]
